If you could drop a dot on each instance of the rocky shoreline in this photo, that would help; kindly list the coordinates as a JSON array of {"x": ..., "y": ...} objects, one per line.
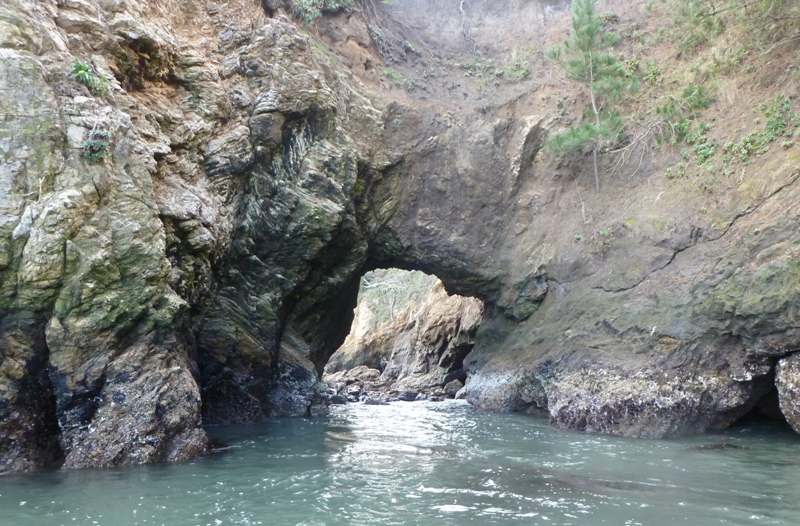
[{"x": 364, "y": 385}]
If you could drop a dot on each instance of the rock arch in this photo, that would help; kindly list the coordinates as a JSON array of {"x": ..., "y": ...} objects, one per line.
[{"x": 209, "y": 265}]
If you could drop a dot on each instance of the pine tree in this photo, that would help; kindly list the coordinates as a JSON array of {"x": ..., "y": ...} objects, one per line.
[{"x": 583, "y": 59}]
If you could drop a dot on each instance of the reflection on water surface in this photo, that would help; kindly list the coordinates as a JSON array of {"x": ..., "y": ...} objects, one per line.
[{"x": 431, "y": 464}]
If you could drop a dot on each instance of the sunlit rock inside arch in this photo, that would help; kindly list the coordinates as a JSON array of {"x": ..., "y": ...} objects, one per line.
[{"x": 408, "y": 340}]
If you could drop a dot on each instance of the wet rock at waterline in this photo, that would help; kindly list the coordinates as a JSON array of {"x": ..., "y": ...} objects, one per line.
[
  {"x": 204, "y": 268},
  {"x": 452, "y": 388},
  {"x": 351, "y": 385},
  {"x": 787, "y": 380}
]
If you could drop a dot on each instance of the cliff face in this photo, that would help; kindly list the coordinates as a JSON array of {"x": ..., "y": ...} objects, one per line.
[
  {"x": 189, "y": 270},
  {"x": 205, "y": 268}
]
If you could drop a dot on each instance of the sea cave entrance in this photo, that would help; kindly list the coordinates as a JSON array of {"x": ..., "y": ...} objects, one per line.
[
  {"x": 408, "y": 340},
  {"x": 766, "y": 412}
]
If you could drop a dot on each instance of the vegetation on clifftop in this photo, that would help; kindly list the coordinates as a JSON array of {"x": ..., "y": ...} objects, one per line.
[
  {"x": 763, "y": 24},
  {"x": 584, "y": 59},
  {"x": 385, "y": 292},
  {"x": 703, "y": 52}
]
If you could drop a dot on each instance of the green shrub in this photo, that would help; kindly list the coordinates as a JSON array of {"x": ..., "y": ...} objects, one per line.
[
  {"x": 704, "y": 146},
  {"x": 310, "y": 10},
  {"x": 86, "y": 75},
  {"x": 515, "y": 67},
  {"x": 779, "y": 121},
  {"x": 393, "y": 75},
  {"x": 680, "y": 111},
  {"x": 699, "y": 22},
  {"x": 653, "y": 75},
  {"x": 765, "y": 24},
  {"x": 96, "y": 146},
  {"x": 602, "y": 241}
]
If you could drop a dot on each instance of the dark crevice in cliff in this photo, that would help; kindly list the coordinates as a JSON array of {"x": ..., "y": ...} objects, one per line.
[
  {"x": 648, "y": 275},
  {"x": 29, "y": 424},
  {"x": 76, "y": 406},
  {"x": 139, "y": 61},
  {"x": 269, "y": 7},
  {"x": 765, "y": 405},
  {"x": 767, "y": 408},
  {"x": 696, "y": 237},
  {"x": 51, "y": 436}
]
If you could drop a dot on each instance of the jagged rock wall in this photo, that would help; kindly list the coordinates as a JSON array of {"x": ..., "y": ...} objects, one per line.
[
  {"x": 183, "y": 277},
  {"x": 86, "y": 304},
  {"x": 208, "y": 266},
  {"x": 386, "y": 299},
  {"x": 437, "y": 337}
]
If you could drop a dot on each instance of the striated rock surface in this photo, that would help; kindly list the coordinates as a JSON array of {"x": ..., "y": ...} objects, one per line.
[
  {"x": 207, "y": 266},
  {"x": 180, "y": 279},
  {"x": 87, "y": 309},
  {"x": 432, "y": 344}
]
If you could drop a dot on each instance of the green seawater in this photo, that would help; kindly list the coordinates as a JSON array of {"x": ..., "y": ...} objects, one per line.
[{"x": 437, "y": 464}]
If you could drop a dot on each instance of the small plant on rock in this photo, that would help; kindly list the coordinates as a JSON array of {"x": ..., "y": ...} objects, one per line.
[
  {"x": 653, "y": 76},
  {"x": 96, "y": 146},
  {"x": 310, "y": 10},
  {"x": 86, "y": 75},
  {"x": 602, "y": 241},
  {"x": 515, "y": 67},
  {"x": 393, "y": 75}
]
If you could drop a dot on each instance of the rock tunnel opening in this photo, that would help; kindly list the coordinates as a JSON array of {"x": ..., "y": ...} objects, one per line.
[
  {"x": 408, "y": 340},
  {"x": 766, "y": 412}
]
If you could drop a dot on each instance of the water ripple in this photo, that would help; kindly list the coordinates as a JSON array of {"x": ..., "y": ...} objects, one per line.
[{"x": 431, "y": 464}]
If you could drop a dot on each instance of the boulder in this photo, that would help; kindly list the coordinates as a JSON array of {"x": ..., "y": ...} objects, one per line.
[{"x": 452, "y": 388}]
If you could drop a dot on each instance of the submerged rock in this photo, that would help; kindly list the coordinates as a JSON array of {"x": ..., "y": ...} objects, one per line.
[
  {"x": 718, "y": 447},
  {"x": 408, "y": 396}
]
